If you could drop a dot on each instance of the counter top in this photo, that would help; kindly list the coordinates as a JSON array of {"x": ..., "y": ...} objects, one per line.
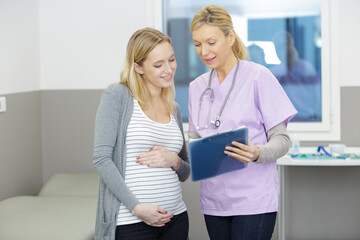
[{"x": 287, "y": 160}]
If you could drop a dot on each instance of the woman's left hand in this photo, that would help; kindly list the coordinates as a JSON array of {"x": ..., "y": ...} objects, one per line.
[
  {"x": 244, "y": 153},
  {"x": 159, "y": 157}
]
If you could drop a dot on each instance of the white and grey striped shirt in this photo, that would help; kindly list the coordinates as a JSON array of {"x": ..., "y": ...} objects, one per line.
[{"x": 160, "y": 186}]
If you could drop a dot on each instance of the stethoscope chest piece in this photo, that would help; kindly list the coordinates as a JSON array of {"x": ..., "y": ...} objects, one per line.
[{"x": 215, "y": 123}]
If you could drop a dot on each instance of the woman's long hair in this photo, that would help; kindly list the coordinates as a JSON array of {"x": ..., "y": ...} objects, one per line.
[
  {"x": 141, "y": 43},
  {"x": 217, "y": 16}
]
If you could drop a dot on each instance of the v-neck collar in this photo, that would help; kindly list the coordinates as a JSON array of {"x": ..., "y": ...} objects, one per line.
[{"x": 227, "y": 81}]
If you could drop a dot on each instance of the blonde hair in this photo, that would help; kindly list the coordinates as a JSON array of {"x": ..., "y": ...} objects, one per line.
[
  {"x": 217, "y": 16},
  {"x": 141, "y": 43}
]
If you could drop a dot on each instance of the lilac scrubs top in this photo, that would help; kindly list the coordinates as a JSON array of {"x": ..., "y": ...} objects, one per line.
[{"x": 258, "y": 102}]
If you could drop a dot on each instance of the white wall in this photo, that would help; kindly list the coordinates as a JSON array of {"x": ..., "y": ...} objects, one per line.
[
  {"x": 19, "y": 46},
  {"x": 349, "y": 42},
  {"x": 66, "y": 44},
  {"x": 83, "y": 42}
]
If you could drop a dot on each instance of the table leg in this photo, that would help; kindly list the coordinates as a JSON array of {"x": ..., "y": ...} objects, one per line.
[{"x": 281, "y": 227}]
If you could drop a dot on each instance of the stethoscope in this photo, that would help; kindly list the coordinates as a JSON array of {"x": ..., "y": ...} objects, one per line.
[{"x": 215, "y": 123}]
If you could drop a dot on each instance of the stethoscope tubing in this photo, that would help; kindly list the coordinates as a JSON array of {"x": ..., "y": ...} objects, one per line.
[{"x": 215, "y": 123}]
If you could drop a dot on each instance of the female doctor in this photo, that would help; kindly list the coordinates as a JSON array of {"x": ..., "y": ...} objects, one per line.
[{"x": 241, "y": 204}]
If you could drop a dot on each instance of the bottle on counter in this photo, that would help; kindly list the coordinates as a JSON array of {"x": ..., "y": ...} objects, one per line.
[{"x": 295, "y": 144}]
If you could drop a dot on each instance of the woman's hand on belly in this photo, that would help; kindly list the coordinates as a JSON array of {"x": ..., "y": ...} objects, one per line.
[
  {"x": 152, "y": 215},
  {"x": 159, "y": 157}
]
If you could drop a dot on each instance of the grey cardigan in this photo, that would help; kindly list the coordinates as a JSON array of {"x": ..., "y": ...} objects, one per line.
[{"x": 109, "y": 156}]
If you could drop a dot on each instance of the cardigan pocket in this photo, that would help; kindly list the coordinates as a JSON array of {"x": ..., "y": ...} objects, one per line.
[
  {"x": 106, "y": 229},
  {"x": 107, "y": 214}
]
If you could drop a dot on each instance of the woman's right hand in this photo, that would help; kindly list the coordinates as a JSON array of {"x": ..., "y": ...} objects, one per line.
[{"x": 152, "y": 215}]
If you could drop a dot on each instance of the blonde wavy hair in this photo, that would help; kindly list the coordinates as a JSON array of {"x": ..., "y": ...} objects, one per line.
[
  {"x": 141, "y": 43},
  {"x": 217, "y": 16}
]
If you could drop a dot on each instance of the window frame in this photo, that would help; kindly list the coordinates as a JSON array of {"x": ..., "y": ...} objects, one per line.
[{"x": 329, "y": 128}]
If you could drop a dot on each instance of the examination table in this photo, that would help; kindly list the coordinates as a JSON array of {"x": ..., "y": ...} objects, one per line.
[{"x": 64, "y": 209}]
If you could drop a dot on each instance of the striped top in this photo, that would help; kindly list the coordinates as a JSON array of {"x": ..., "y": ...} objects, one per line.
[{"x": 160, "y": 186}]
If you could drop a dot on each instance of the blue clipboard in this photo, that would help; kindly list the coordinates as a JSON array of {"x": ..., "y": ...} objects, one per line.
[{"x": 207, "y": 157}]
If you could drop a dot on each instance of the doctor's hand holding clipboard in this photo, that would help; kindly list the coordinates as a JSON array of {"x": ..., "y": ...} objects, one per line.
[
  {"x": 221, "y": 153},
  {"x": 244, "y": 153}
]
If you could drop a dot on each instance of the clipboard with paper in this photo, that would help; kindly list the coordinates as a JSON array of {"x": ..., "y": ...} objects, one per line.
[{"x": 207, "y": 157}]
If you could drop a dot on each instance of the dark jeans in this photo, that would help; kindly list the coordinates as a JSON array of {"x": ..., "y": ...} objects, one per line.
[
  {"x": 246, "y": 227},
  {"x": 176, "y": 229}
]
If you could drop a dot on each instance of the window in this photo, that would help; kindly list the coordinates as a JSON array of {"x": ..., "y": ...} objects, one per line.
[{"x": 291, "y": 38}]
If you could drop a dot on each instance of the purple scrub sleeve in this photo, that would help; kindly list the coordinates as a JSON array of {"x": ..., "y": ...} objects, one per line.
[{"x": 271, "y": 94}]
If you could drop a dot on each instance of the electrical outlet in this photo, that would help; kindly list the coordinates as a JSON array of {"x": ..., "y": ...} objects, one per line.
[{"x": 2, "y": 104}]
